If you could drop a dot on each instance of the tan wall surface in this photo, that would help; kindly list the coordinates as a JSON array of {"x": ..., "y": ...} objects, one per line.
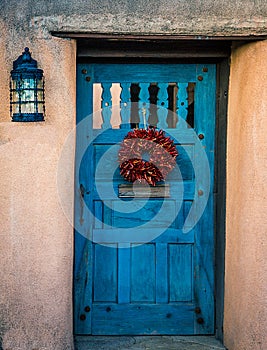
[
  {"x": 36, "y": 238},
  {"x": 36, "y": 243},
  {"x": 245, "y": 322},
  {"x": 176, "y": 17}
]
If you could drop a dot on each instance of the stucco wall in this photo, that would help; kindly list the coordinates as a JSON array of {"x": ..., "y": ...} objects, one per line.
[
  {"x": 36, "y": 245},
  {"x": 245, "y": 322},
  {"x": 178, "y": 17},
  {"x": 35, "y": 236}
]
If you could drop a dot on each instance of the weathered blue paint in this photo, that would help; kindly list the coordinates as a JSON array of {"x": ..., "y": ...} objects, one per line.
[{"x": 139, "y": 287}]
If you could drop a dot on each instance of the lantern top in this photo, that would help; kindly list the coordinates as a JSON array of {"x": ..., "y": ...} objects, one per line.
[{"x": 25, "y": 61}]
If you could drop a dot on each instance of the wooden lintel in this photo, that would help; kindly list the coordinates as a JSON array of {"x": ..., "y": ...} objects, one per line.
[
  {"x": 157, "y": 37},
  {"x": 159, "y": 47}
]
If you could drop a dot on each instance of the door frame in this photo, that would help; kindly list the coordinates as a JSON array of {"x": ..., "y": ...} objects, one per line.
[
  {"x": 221, "y": 59},
  {"x": 223, "y": 73}
]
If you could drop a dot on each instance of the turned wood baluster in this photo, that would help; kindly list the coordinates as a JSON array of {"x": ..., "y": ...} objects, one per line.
[
  {"x": 144, "y": 104},
  {"x": 125, "y": 105},
  {"x": 182, "y": 101},
  {"x": 163, "y": 105},
  {"x": 106, "y": 105}
]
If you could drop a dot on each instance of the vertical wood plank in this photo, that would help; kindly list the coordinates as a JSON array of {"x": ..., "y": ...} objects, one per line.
[
  {"x": 83, "y": 247},
  {"x": 125, "y": 105},
  {"x": 162, "y": 273},
  {"x": 124, "y": 273},
  {"x": 180, "y": 269},
  {"x": 163, "y": 105},
  {"x": 82, "y": 283},
  {"x": 204, "y": 247},
  {"x": 220, "y": 189},
  {"x": 98, "y": 214},
  {"x": 143, "y": 273},
  {"x": 144, "y": 104},
  {"x": 182, "y": 101},
  {"x": 186, "y": 208},
  {"x": 105, "y": 273},
  {"x": 106, "y": 105},
  {"x": 107, "y": 217}
]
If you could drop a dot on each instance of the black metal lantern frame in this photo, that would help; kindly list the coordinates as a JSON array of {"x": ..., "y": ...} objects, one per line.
[{"x": 26, "y": 90}]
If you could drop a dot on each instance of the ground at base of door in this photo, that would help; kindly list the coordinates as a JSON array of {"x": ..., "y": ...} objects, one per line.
[{"x": 147, "y": 343}]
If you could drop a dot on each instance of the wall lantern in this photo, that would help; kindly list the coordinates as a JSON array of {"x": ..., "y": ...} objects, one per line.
[{"x": 26, "y": 90}]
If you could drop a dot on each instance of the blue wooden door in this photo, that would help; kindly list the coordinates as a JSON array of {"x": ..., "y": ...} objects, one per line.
[{"x": 144, "y": 265}]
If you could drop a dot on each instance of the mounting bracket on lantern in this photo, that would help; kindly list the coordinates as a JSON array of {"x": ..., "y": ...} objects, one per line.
[{"x": 26, "y": 90}]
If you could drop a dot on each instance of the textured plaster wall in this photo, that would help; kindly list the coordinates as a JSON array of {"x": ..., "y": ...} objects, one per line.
[
  {"x": 36, "y": 239},
  {"x": 245, "y": 322},
  {"x": 36, "y": 247},
  {"x": 179, "y": 17}
]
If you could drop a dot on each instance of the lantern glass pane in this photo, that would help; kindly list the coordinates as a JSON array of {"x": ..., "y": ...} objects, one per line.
[
  {"x": 14, "y": 84},
  {"x": 40, "y": 96},
  {"x": 28, "y": 83},
  {"x": 15, "y": 108},
  {"x": 27, "y": 90},
  {"x": 27, "y": 108},
  {"x": 40, "y": 84},
  {"x": 27, "y": 95},
  {"x": 40, "y": 108},
  {"x": 15, "y": 96}
]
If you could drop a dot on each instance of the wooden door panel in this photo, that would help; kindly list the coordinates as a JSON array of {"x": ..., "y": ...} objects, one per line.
[
  {"x": 143, "y": 319},
  {"x": 143, "y": 273},
  {"x": 180, "y": 264},
  {"x": 145, "y": 211},
  {"x": 113, "y": 215},
  {"x": 103, "y": 236},
  {"x": 140, "y": 272},
  {"x": 105, "y": 273}
]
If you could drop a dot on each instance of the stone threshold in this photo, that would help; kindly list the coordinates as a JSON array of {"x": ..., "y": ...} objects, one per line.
[{"x": 147, "y": 343}]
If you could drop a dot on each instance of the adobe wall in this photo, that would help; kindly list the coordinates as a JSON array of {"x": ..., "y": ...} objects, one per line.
[
  {"x": 176, "y": 17},
  {"x": 36, "y": 239},
  {"x": 245, "y": 319}
]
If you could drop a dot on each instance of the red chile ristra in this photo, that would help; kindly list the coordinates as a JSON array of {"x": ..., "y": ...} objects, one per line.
[{"x": 160, "y": 148}]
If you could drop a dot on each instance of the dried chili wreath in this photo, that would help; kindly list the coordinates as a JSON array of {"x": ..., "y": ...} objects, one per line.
[{"x": 153, "y": 143}]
